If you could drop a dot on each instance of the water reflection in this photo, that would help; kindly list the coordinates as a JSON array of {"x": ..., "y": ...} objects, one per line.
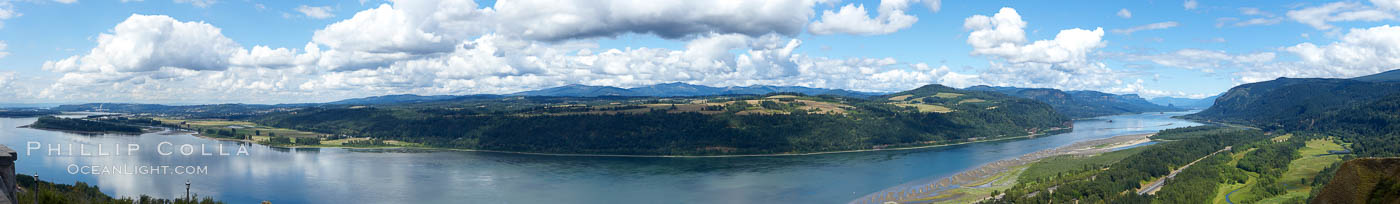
[{"x": 334, "y": 175}]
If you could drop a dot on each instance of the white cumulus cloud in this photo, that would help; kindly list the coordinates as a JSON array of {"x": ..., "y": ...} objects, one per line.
[
  {"x": 853, "y": 19},
  {"x": 555, "y": 20},
  {"x": 317, "y": 12},
  {"x": 934, "y": 5},
  {"x": 148, "y": 43},
  {"x": 1393, "y": 5},
  {"x": 454, "y": 47},
  {"x": 1359, "y": 52},
  {"x": 1321, "y": 17},
  {"x": 7, "y": 11},
  {"x": 1064, "y": 62}
]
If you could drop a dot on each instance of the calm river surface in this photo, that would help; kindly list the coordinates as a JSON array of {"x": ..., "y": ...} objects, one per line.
[{"x": 336, "y": 175}]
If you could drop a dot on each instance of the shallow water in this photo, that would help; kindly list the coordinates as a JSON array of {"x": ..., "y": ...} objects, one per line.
[{"x": 335, "y": 175}]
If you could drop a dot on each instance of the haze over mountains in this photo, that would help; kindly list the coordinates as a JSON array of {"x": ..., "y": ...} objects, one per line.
[
  {"x": 1081, "y": 104},
  {"x": 1188, "y": 103},
  {"x": 579, "y": 90},
  {"x": 684, "y": 89},
  {"x": 1074, "y": 104}
]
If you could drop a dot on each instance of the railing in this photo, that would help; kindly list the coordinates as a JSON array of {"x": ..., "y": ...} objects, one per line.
[{"x": 7, "y": 174}]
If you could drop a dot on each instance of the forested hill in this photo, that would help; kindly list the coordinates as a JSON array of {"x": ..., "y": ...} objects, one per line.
[
  {"x": 711, "y": 125},
  {"x": 82, "y": 125},
  {"x": 1366, "y": 113},
  {"x": 1373, "y": 127},
  {"x": 1286, "y": 100},
  {"x": 1364, "y": 180},
  {"x": 1082, "y": 104},
  {"x": 25, "y": 112},
  {"x": 401, "y": 98},
  {"x": 200, "y": 111}
]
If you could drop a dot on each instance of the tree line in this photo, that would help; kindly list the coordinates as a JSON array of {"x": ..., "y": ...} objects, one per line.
[
  {"x": 74, "y": 124},
  {"x": 80, "y": 192},
  {"x": 870, "y": 124},
  {"x": 1096, "y": 184}
]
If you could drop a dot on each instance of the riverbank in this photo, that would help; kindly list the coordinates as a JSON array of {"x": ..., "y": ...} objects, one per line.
[
  {"x": 255, "y": 139},
  {"x": 736, "y": 155},
  {"x": 978, "y": 183},
  {"x": 406, "y": 145},
  {"x": 283, "y": 175}
]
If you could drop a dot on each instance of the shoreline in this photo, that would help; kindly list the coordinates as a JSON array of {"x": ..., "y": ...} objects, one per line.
[
  {"x": 727, "y": 156},
  {"x": 200, "y": 135},
  {"x": 196, "y": 134},
  {"x": 932, "y": 191}
]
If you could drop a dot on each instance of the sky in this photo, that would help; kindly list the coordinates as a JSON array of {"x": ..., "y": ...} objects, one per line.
[{"x": 246, "y": 51}]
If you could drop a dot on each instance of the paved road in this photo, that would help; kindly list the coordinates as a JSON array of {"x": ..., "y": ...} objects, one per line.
[{"x": 1157, "y": 185}]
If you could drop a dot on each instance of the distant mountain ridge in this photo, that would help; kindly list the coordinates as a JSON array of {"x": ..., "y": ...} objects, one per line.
[
  {"x": 1392, "y": 75},
  {"x": 390, "y": 99},
  {"x": 575, "y": 90},
  {"x": 579, "y": 90},
  {"x": 1189, "y": 103},
  {"x": 683, "y": 89},
  {"x": 1082, "y": 104}
]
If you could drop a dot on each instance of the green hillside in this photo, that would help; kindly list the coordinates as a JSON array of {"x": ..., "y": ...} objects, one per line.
[
  {"x": 1364, "y": 180},
  {"x": 715, "y": 125},
  {"x": 1286, "y": 101}
]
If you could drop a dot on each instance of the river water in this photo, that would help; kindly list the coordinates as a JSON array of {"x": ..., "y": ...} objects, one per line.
[{"x": 335, "y": 175}]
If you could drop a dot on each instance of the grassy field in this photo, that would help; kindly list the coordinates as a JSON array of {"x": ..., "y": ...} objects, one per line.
[
  {"x": 1282, "y": 138},
  {"x": 340, "y": 142},
  {"x": 927, "y": 108},
  {"x": 975, "y": 100},
  {"x": 266, "y": 132},
  {"x": 1314, "y": 159},
  {"x": 947, "y": 95},
  {"x": 1049, "y": 167}
]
